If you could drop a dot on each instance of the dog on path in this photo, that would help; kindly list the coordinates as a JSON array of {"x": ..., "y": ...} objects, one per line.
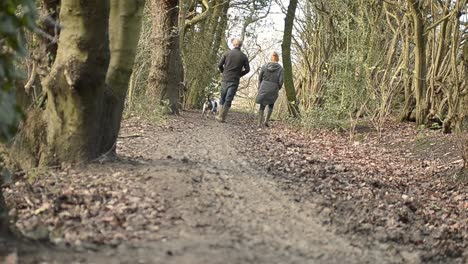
[{"x": 210, "y": 106}]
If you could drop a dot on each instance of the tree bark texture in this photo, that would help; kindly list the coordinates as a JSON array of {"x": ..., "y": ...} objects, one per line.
[
  {"x": 165, "y": 73},
  {"x": 293, "y": 106},
  {"x": 175, "y": 67},
  {"x": 420, "y": 69},
  {"x": 75, "y": 86},
  {"x": 85, "y": 88},
  {"x": 408, "y": 105},
  {"x": 124, "y": 32}
]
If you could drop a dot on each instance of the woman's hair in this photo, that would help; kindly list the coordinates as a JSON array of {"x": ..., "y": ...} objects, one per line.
[{"x": 274, "y": 56}]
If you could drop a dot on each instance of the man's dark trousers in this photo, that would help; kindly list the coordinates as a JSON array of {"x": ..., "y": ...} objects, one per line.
[{"x": 228, "y": 91}]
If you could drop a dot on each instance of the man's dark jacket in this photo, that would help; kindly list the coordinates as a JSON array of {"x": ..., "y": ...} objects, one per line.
[{"x": 234, "y": 64}]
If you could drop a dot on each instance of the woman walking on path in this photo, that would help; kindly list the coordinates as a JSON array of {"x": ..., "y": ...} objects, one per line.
[{"x": 270, "y": 82}]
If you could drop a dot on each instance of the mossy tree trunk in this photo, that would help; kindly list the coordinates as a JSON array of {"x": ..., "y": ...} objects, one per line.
[
  {"x": 293, "y": 106},
  {"x": 75, "y": 86},
  {"x": 420, "y": 68},
  {"x": 86, "y": 87},
  {"x": 166, "y": 72},
  {"x": 124, "y": 33}
]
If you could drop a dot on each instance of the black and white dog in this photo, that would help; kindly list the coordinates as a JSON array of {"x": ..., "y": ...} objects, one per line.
[{"x": 209, "y": 106}]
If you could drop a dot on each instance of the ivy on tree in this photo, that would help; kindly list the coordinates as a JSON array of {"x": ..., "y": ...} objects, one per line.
[{"x": 14, "y": 16}]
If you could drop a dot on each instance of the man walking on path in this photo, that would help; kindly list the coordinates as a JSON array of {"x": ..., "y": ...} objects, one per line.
[{"x": 233, "y": 65}]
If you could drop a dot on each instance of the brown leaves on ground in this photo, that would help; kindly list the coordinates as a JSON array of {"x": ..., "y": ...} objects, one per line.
[
  {"x": 397, "y": 189},
  {"x": 105, "y": 203},
  {"x": 102, "y": 205}
]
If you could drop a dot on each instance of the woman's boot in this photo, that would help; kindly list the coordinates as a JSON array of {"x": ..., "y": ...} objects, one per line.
[
  {"x": 269, "y": 112},
  {"x": 260, "y": 118}
]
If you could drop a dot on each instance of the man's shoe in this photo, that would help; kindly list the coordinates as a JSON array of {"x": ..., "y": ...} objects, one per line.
[{"x": 223, "y": 114}]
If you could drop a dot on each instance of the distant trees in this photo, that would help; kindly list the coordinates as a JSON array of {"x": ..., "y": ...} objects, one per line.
[
  {"x": 205, "y": 28},
  {"x": 185, "y": 40},
  {"x": 383, "y": 58},
  {"x": 404, "y": 58},
  {"x": 204, "y": 35}
]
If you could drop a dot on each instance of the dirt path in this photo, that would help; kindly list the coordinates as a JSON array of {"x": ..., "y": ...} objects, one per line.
[{"x": 213, "y": 206}]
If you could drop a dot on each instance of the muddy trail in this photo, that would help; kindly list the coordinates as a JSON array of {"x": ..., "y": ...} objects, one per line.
[{"x": 192, "y": 191}]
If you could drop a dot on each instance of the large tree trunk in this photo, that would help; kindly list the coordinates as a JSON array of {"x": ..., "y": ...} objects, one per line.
[
  {"x": 157, "y": 82},
  {"x": 166, "y": 60},
  {"x": 124, "y": 31},
  {"x": 85, "y": 94},
  {"x": 420, "y": 68},
  {"x": 175, "y": 67},
  {"x": 408, "y": 105},
  {"x": 293, "y": 106},
  {"x": 75, "y": 86}
]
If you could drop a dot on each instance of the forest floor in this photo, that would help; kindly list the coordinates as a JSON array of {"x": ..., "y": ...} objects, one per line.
[{"x": 195, "y": 191}]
